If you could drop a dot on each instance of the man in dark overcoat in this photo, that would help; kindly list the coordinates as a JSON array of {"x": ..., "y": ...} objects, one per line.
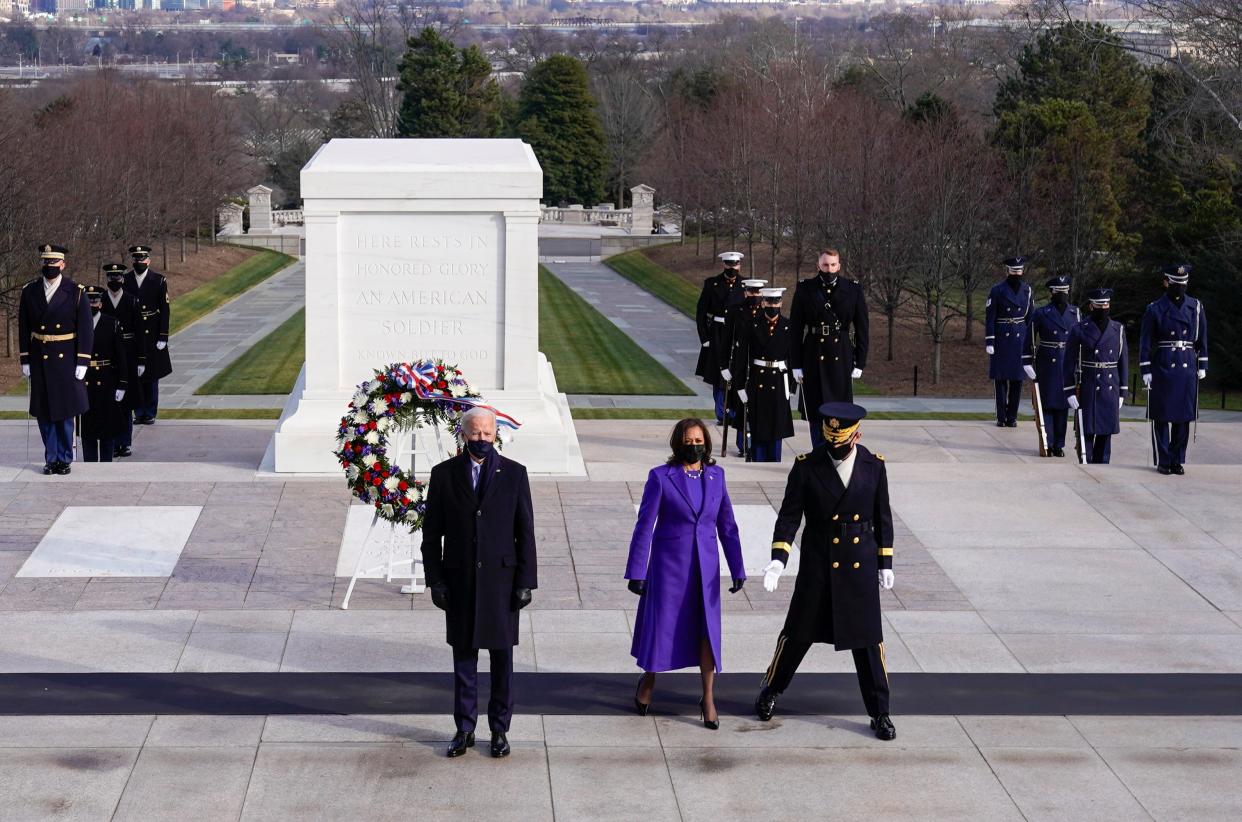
[
  {"x": 847, "y": 556},
  {"x": 54, "y": 338},
  {"x": 1097, "y": 372},
  {"x": 151, "y": 290},
  {"x": 106, "y": 380},
  {"x": 1007, "y": 341},
  {"x": 828, "y": 319},
  {"x": 720, "y": 303},
  {"x": 760, "y": 360},
  {"x": 1050, "y": 329},
  {"x": 479, "y": 559},
  {"x": 122, "y": 305}
]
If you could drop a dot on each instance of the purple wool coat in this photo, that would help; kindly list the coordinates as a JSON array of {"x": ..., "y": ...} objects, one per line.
[{"x": 682, "y": 602}]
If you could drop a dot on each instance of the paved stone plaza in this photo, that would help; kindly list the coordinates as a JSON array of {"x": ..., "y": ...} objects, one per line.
[{"x": 1006, "y": 564}]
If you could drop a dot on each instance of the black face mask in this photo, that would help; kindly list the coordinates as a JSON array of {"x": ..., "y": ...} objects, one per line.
[
  {"x": 115, "y": 285},
  {"x": 690, "y": 454},
  {"x": 479, "y": 449},
  {"x": 772, "y": 310},
  {"x": 1059, "y": 299},
  {"x": 95, "y": 309},
  {"x": 1100, "y": 315},
  {"x": 51, "y": 271},
  {"x": 1014, "y": 280},
  {"x": 730, "y": 274},
  {"x": 753, "y": 302},
  {"x": 840, "y": 451},
  {"x": 828, "y": 277},
  {"x": 139, "y": 268},
  {"x": 1176, "y": 292}
]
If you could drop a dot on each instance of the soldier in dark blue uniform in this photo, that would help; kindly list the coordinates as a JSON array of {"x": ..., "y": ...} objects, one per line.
[
  {"x": 751, "y": 309},
  {"x": 151, "y": 290},
  {"x": 1173, "y": 357},
  {"x": 828, "y": 319},
  {"x": 847, "y": 556},
  {"x": 1050, "y": 329},
  {"x": 1096, "y": 373},
  {"x": 106, "y": 379},
  {"x": 54, "y": 337},
  {"x": 123, "y": 306},
  {"x": 1008, "y": 309},
  {"x": 720, "y": 303},
  {"x": 762, "y": 355}
]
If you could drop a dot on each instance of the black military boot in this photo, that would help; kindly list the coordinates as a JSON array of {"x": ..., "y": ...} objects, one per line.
[
  {"x": 765, "y": 704},
  {"x": 500, "y": 744},
  {"x": 49, "y": 468},
  {"x": 883, "y": 727},
  {"x": 1178, "y": 469}
]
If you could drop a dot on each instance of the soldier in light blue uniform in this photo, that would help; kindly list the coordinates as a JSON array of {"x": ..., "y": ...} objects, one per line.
[
  {"x": 1173, "y": 357},
  {"x": 1096, "y": 374},
  {"x": 1009, "y": 308},
  {"x": 1050, "y": 330}
]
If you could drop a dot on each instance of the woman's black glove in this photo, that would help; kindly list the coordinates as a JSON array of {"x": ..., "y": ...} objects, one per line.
[
  {"x": 637, "y": 586},
  {"x": 521, "y": 598},
  {"x": 737, "y": 585},
  {"x": 440, "y": 596}
]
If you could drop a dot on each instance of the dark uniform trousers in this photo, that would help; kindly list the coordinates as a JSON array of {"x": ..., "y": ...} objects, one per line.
[
  {"x": 868, "y": 662},
  {"x": 1170, "y": 440},
  {"x": 1055, "y": 422},
  {"x": 1099, "y": 448},
  {"x": 1008, "y": 395},
  {"x": 466, "y": 689},
  {"x": 57, "y": 439},
  {"x": 97, "y": 450}
]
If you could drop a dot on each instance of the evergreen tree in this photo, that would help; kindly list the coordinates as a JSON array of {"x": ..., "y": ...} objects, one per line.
[
  {"x": 556, "y": 115},
  {"x": 446, "y": 91}
]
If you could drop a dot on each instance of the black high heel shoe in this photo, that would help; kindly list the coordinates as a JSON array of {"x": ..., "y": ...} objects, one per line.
[
  {"x": 709, "y": 724},
  {"x": 642, "y": 708}
]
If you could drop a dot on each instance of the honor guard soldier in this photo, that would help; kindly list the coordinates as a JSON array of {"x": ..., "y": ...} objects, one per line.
[
  {"x": 106, "y": 380},
  {"x": 828, "y": 318},
  {"x": 762, "y": 354},
  {"x": 1173, "y": 357},
  {"x": 1008, "y": 310},
  {"x": 1050, "y": 330},
  {"x": 751, "y": 309},
  {"x": 150, "y": 288},
  {"x": 720, "y": 303},
  {"x": 847, "y": 556},
  {"x": 1096, "y": 374},
  {"x": 123, "y": 306},
  {"x": 55, "y": 336}
]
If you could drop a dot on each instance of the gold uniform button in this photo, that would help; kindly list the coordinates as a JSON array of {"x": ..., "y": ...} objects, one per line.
[
  {"x": 835, "y": 540},
  {"x": 45, "y": 356},
  {"x": 855, "y": 565},
  {"x": 856, "y": 520},
  {"x": 62, "y": 356},
  {"x": 836, "y": 565},
  {"x": 855, "y": 542},
  {"x": 836, "y": 517}
]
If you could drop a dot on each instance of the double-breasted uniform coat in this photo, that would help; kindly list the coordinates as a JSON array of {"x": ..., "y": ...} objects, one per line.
[
  {"x": 1097, "y": 368},
  {"x": 829, "y": 324},
  {"x": 721, "y": 302},
  {"x": 1173, "y": 348},
  {"x": 1007, "y": 315},
  {"x": 54, "y": 338},
  {"x": 153, "y": 313},
  {"x": 107, "y": 373},
  {"x": 128, "y": 316},
  {"x": 761, "y": 366},
  {"x": 1050, "y": 330}
]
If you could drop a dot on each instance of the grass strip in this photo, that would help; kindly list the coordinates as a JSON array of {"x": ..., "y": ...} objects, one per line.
[
  {"x": 219, "y": 290},
  {"x": 650, "y": 276},
  {"x": 270, "y": 366}
]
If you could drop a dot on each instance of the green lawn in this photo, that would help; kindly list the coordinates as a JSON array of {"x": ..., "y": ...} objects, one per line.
[
  {"x": 216, "y": 292},
  {"x": 589, "y": 354},
  {"x": 655, "y": 278},
  {"x": 271, "y": 365}
]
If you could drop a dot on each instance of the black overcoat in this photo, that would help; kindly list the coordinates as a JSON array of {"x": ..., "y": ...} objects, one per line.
[
  {"x": 848, "y": 538},
  {"x": 769, "y": 385},
  {"x": 153, "y": 312},
  {"x": 481, "y": 549},
  {"x": 830, "y": 338},
  {"x": 53, "y": 339},
  {"x": 720, "y": 304},
  {"x": 108, "y": 372},
  {"x": 126, "y": 312}
]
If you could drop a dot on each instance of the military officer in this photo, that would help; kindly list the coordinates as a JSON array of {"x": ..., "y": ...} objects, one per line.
[
  {"x": 719, "y": 305},
  {"x": 1050, "y": 329},
  {"x": 762, "y": 355},
  {"x": 1096, "y": 374},
  {"x": 150, "y": 288},
  {"x": 1008, "y": 310},
  {"x": 847, "y": 556},
  {"x": 751, "y": 309},
  {"x": 55, "y": 335},
  {"x": 828, "y": 320},
  {"x": 118, "y": 303},
  {"x": 1173, "y": 357},
  {"x": 106, "y": 380}
]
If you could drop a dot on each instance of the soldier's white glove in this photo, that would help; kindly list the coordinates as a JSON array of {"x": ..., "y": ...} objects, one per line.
[
  {"x": 161, "y": 345},
  {"x": 120, "y": 394},
  {"x": 1202, "y": 373},
  {"x": 1147, "y": 381},
  {"x": 990, "y": 350},
  {"x": 726, "y": 373},
  {"x": 856, "y": 374},
  {"x": 772, "y": 575},
  {"x": 1120, "y": 402},
  {"x": 80, "y": 372},
  {"x": 26, "y": 371},
  {"x": 1073, "y": 401},
  {"x": 707, "y": 344},
  {"x": 141, "y": 369},
  {"x": 741, "y": 395},
  {"x": 887, "y": 579},
  {"x": 1030, "y": 371},
  {"x": 797, "y": 372}
]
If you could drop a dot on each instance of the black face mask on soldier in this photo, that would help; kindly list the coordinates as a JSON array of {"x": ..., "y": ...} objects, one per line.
[
  {"x": 1099, "y": 314},
  {"x": 115, "y": 285},
  {"x": 1059, "y": 299},
  {"x": 690, "y": 454},
  {"x": 50, "y": 271},
  {"x": 140, "y": 266},
  {"x": 1176, "y": 291},
  {"x": 772, "y": 310},
  {"x": 839, "y": 451},
  {"x": 95, "y": 307}
]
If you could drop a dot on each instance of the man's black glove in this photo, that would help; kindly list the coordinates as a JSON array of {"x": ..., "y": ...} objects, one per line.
[
  {"x": 521, "y": 598},
  {"x": 637, "y": 586},
  {"x": 440, "y": 596},
  {"x": 737, "y": 585}
]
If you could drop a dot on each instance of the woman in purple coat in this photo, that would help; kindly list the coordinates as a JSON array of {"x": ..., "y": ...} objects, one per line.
[{"x": 674, "y": 566}]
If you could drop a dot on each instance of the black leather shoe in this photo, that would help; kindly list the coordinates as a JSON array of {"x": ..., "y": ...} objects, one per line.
[
  {"x": 765, "y": 704},
  {"x": 883, "y": 727},
  {"x": 123, "y": 451},
  {"x": 1058, "y": 452},
  {"x": 49, "y": 468},
  {"x": 1178, "y": 469},
  {"x": 1164, "y": 469},
  {"x": 1011, "y": 424},
  {"x": 460, "y": 742},
  {"x": 61, "y": 468},
  {"x": 146, "y": 420},
  {"x": 1000, "y": 423},
  {"x": 500, "y": 745}
]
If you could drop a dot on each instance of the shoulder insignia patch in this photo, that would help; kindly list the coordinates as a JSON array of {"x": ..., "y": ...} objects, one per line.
[{"x": 880, "y": 457}]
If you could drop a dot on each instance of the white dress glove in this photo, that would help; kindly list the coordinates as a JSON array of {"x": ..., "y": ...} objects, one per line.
[
  {"x": 1202, "y": 373},
  {"x": 161, "y": 345},
  {"x": 26, "y": 371},
  {"x": 141, "y": 369},
  {"x": 707, "y": 344},
  {"x": 1120, "y": 402},
  {"x": 80, "y": 372},
  {"x": 772, "y": 575},
  {"x": 741, "y": 395},
  {"x": 120, "y": 394},
  {"x": 856, "y": 374},
  {"x": 887, "y": 579},
  {"x": 1073, "y": 401},
  {"x": 1147, "y": 381},
  {"x": 1030, "y": 371},
  {"x": 726, "y": 373},
  {"x": 797, "y": 372},
  {"x": 990, "y": 350}
]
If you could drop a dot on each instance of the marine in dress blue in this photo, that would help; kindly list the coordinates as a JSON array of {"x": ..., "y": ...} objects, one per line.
[
  {"x": 1173, "y": 357},
  {"x": 1096, "y": 375},
  {"x": 1008, "y": 316},
  {"x": 1049, "y": 334}
]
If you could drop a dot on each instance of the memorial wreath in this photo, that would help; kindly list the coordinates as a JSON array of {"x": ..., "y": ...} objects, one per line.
[{"x": 402, "y": 396}]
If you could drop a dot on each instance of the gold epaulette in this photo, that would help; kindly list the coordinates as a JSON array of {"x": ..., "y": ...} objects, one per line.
[{"x": 880, "y": 457}]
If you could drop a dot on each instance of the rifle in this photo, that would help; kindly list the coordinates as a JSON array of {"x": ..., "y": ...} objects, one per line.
[
  {"x": 724, "y": 437},
  {"x": 745, "y": 429},
  {"x": 1038, "y": 405},
  {"x": 1080, "y": 439}
]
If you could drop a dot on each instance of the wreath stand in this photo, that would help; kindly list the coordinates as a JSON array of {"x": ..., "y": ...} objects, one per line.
[{"x": 384, "y": 534}]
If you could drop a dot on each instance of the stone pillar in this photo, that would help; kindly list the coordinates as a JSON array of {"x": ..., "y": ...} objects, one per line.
[
  {"x": 573, "y": 214},
  {"x": 643, "y": 200},
  {"x": 260, "y": 209},
  {"x": 230, "y": 216}
]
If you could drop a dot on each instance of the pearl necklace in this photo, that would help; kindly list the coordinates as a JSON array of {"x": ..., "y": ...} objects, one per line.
[{"x": 697, "y": 473}]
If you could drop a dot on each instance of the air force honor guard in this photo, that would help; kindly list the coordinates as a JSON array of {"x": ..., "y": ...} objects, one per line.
[
  {"x": 847, "y": 556},
  {"x": 1050, "y": 330},
  {"x": 719, "y": 305},
  {"x": 1173, "y": 357},
  {"x": 151, "y": 290},
  {"x": 122, "y": 305},
  {"x": 1096, "y": 374},
  {"x": 54, "y": 336},
  {"x": 1008, "y": 312},
  {"x": 106, "y": 380}
]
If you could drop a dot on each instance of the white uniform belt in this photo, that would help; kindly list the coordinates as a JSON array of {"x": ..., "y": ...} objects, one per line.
[
  {"x": 1086, "y": 364},
  {"x": 1011, "y": 320},
  {"x": 770, "y": 364},
  {"x": 717, "y": 319},
  {"x": 1176, "y": 345},
  {"x": 1043, "y": 344}
]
